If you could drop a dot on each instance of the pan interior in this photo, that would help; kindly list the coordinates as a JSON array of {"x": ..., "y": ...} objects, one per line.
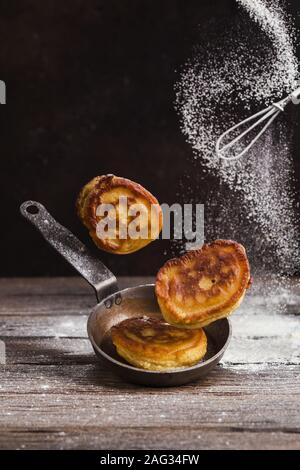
[{"x": 137, "y": 302}]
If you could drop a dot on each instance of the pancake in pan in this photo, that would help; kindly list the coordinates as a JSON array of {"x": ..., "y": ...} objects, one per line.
[
  {"x": 203, "y": 285},
  {"x": 152, "y": 344}
]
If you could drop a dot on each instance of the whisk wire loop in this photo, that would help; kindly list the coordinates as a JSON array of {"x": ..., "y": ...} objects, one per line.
[
  {"x": 269, "y": 114},
  {"x": 266, "y": 113}
]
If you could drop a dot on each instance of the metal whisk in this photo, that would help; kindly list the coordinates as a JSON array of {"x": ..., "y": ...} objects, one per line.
[{"x": 269, "y": 114}]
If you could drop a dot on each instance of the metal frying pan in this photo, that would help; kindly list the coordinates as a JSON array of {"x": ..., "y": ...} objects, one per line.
[{"x": 116, "y": 305}]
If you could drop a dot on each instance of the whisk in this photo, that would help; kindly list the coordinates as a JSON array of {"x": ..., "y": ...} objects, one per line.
[{"x": 269, "y": 114}]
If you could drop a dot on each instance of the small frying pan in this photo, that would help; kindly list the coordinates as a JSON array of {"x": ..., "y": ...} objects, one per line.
[{"x": 116, "y": 305}]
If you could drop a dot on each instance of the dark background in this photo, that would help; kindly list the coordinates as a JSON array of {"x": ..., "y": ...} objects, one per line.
[{"x": 90, "y": 90}]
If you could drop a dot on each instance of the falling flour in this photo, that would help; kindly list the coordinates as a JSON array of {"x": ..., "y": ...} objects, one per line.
[{"x": 239, "y": 68}]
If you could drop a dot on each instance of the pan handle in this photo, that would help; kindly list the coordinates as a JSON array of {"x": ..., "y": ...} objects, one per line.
[{"x": 72, "y": 249}]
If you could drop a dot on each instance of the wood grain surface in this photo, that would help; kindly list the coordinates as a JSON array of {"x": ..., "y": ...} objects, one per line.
[{"x": 55, "y": 394}]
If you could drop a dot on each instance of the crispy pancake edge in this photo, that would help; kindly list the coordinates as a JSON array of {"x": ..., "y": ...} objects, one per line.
[
  {"x": 88, "y": 201},
  {"x": 208, "y": 316}
]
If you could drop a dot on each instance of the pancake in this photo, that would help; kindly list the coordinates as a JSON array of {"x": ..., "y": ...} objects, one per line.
[
  {"x": 152, "y": 344},
  {"x": 203, "y": 285},
  {"x": 119, "y": 227}
]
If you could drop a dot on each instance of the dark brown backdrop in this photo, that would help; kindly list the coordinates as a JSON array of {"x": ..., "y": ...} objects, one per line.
[{"x": 90, "y": 91}]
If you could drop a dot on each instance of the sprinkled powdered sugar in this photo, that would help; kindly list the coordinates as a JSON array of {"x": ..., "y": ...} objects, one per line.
[
  {"x": 248, "y": 64},
  {"x": 281, "y": 73}
]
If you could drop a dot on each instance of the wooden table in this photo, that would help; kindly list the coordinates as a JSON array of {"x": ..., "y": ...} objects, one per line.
[{"x": 56, "y": 395}]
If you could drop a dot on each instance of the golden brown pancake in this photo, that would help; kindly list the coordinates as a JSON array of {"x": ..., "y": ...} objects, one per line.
[
  {"x": 106, "y": 190},
  {"x": 152, "y": 344},
  {"x": 203, "y": 285}
]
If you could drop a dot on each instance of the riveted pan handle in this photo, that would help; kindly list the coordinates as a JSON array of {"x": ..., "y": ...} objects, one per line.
[{"x": 72, "y": 249}]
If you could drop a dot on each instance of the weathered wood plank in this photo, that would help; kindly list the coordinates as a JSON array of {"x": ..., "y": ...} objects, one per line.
[
  {"x": 267, "y": 400},
  {"x": 257, "y": 337},
  {"x": 200, "y": 438},
  {"x": 86, "y": 395},
  {"x": 53, "y": 296},
  {"x": 74, "y": 296},
  {"x": 39, "y": 351},
  {"x": 95, "y": 378},
  {"x": 44, "y": 325},
  {"x": 54, "y": 305},
  {"x": 55, "y": 394}
]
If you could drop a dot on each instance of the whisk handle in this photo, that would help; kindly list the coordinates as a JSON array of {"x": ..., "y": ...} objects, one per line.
[{"x": 295, "y": 96}]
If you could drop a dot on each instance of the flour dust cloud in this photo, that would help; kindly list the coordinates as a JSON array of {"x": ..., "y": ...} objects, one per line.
[{"x": 240, "y": 67}]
